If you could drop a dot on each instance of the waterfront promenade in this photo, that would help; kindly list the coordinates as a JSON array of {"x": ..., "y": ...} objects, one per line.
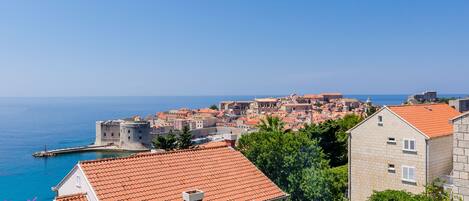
[{"x": 54, "y": 152}]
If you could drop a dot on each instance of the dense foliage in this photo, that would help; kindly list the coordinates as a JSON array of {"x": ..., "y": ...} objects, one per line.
[
  {"x": 332, "y": 137},
  {"x": 214, "y": 107},
  {"x": 433, "y": 192},
  {"x": 170, "y": 141},
  {"x": 167, "y": 142},
  {"x": 309, "y": 164},
  {"x": 271, "y": 124},
  {"x": 185, "y": 139}
]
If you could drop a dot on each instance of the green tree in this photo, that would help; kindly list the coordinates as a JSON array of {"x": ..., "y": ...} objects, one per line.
[
  {"x": 271, "y": 124},
  {"x": 168, "y": 142},
  {"x": 433, "y": 192},
  {"x": 371, "y": 110},
  {"x": 325, "y": 184},
  {"x": 214, "y": 107},
  {"x": 332, "y": 137},
  {"x": 284, "y": 158},
  {"x": 392, "y": 195},
  {"x": 185, "y": 138}
]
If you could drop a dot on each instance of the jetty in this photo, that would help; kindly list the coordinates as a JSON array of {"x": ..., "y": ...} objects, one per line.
[{"x": 48, "y": 153}]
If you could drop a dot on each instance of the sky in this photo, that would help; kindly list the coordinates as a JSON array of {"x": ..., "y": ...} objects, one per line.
[{"x": 232, "y": 47}]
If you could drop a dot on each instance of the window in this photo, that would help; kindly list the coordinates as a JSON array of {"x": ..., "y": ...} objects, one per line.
[
  {"x": 139, "y": 137},
  {"x": 104, "y": 134},
  {"x": 128, "y": 137},
  {"x": 128, "y": 131},
  {"x": 78, "y": 184},
  {"x": 409, "y": 145},
  {"x": 391, "y": 140},
  {"x": 139, "y": 131},
  {"x": 380, "y": 120},
  {"x": 112, "y": 134},
  {"x": 391, "y": 168},
  {"x": 408, "y": 173}
]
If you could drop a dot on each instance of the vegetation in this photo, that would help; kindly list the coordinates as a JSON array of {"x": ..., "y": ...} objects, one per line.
[
  {"x": 309, "y": 164},
  {"x": 332, "y": 137},
  {"x": 171, "y": 142},
  {"x": 214, "y": 107},
  {"x": 371, "y": 110},
  {"x": 168, "y": 142},
  {"x": 185, "y": 139},
  {"x": 433, "y": 192},
  {"x": 271, "y": 124}
]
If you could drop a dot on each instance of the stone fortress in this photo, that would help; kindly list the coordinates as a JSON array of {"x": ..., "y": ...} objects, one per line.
[{"x": 124, "y": 134}]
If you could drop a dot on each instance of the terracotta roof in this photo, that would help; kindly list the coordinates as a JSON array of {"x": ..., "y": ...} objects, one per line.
[
  {"x": 252, "y": 121},
  {"x": 213, "y": 144},
  {"x": 73, "y": 197},
  {"x": 432, "y": 119},
  {"x": 331, "y": 94},
  {"x": 221, "y": 172},
  {"x": 266, "y": 99}
]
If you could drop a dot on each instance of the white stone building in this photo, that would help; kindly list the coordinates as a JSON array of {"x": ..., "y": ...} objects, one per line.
[{"x": 400, "y": 148}]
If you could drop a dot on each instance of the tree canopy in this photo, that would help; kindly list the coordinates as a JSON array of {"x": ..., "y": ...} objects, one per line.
[
  {"x": 171, "y": 141},
  {"x": 271, "y": 124},
  {"x": 214, "y": 107},
  {"x": 433, "y": 192},
  {"x": 167, "y": 142},
  {"x": 185, "y": 138},
  {"x": 332, "y": 137}
]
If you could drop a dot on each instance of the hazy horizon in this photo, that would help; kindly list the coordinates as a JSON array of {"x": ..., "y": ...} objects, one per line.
[{"x": 214, "y": 48}]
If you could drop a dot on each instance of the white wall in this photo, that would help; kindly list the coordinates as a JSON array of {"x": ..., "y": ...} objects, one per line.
[
  {"x": 69, "y": 186},
  {"x": 370, "y": 155}
]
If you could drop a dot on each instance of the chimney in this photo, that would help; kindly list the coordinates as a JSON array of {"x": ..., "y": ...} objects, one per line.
[
  {"x": 230, "y": 139},
  {"x": 193, "y": 195}
]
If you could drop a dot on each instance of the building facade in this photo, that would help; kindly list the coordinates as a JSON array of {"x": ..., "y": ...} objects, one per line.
[
  {"x": 460, "y": 175},
  {"x": 400, "y": 148},
  {"x": 461, "y": 105}
]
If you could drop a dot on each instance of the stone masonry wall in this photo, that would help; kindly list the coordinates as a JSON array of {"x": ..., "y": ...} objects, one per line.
[{"x": 460, "y": 157}]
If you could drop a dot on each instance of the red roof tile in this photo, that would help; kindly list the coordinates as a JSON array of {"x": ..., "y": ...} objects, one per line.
[
  {"x": 221, "y": 172},
  {"x": 432, "y": 119},
  {"x": 213, "y": 144},
  {"x": 73, "y": 197}
]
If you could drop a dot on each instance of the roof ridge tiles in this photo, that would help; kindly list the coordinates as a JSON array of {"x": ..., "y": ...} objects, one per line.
[
  {"x": 423, "y": 104},
  {"x": 139, "y": 155}
]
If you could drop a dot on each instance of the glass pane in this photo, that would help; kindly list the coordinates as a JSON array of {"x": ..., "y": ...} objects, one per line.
[
  {"x": 405, "y": 173},
  {"x": 412, "y": 173},
  {"x": 406, "y": 144},
  {"x": 412, "y": 144}
]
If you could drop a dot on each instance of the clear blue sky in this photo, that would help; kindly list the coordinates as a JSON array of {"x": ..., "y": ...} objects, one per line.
[{"x": 171, "y": 47}]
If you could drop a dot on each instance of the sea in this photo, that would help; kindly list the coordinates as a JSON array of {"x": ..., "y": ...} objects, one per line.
[{"x": 32, "y": 124}]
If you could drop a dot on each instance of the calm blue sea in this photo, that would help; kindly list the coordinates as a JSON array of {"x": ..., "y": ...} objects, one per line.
[{"x": 27, "y": 124}]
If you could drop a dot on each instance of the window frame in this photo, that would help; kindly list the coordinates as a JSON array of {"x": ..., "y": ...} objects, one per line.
[
  {"x": 380, "y": 120},
  {"x": 78, "y": 181},
  {"x": 391, "y": 169},
  {"x": 412, "y": 180},
  {"x": 408, "y": 149}
]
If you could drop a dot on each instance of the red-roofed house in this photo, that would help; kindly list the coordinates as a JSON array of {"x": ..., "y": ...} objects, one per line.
[
  {"x": 216, "y": 173},
  {"x": 401, "y": 148}
]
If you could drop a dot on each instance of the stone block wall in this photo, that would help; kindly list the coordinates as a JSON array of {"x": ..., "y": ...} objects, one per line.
[{"x": 460, "y": 175}]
